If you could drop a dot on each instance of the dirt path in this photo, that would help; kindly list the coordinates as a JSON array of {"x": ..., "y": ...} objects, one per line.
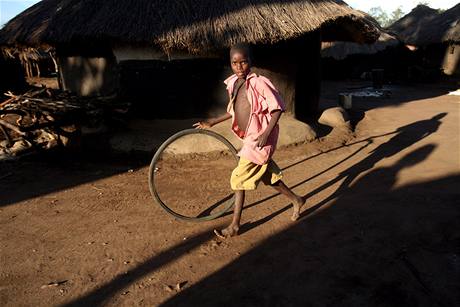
[{"x": 380, "y": 226}]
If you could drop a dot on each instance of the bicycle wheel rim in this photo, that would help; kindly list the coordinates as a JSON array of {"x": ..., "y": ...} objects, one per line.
[{"x": 227, "y": 205}]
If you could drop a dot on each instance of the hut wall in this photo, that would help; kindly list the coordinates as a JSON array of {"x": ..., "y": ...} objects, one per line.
[
  {"x": 294, "y": 67},
  {"x": 428, "y": 61},
  {"x": 174, "y": 89},
  {"x": 308, "y": 80},
  {"x": 129, "y": 53},
  {"x": 192, "y": 87},
  {"x": 136, "y": 53},
  {"x": 451, "y": 63},
  {"x": 88, "y": 76},
  {"x": 186, "y": 86},
  {"x": 394, "y": 60},
  {"x": 11, "y": 75}
]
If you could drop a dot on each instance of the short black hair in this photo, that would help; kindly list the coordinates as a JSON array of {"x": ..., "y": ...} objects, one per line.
[{"x": 242, "y": 48}]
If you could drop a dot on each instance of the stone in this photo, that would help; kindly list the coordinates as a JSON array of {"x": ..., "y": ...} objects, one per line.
[{"x": 334, "y": 117}]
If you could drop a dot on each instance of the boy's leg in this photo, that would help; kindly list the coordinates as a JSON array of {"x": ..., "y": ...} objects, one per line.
[
  {"x": 232, "y": 229},
  {"x": 297, "y": 201}
]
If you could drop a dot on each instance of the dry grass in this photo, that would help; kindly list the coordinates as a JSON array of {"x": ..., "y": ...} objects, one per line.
[
  {"x": 424, "y": 25},
  {"x": 195, "y": 26}
]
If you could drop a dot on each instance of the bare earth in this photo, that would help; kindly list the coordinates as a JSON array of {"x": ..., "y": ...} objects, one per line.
[{"x": 380, "y": 227}]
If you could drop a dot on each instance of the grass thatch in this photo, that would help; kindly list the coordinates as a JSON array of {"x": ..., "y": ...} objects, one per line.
[
  {"x": 29, "y": 58},
  {"x": 25, "y": 54},
  {"x": 192, "y": 25},
  {"x": 340, "y": 50},
  {"x": 424, "y": 26},
  {"x": 445, "y": 27}
]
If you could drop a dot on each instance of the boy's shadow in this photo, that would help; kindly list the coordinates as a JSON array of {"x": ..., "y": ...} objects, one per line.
[{"x": 405, "y": 137}]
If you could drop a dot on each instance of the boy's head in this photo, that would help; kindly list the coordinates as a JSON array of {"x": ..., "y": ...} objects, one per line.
[{"x": 241, "y": 60}]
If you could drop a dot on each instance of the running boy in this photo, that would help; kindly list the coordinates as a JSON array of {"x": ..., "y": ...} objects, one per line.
[{"x": 255, "y": 108}]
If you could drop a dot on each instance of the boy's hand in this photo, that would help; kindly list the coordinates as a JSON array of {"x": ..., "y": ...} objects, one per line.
[
  {"x": 202, "y": 125},
  {"x": 262, "y": 140}
]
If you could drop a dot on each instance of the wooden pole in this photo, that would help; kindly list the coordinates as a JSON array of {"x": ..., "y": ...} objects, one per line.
[{"x": 11, "y": 126}]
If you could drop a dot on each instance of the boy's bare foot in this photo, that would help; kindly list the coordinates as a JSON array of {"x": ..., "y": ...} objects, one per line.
[
  {"x": 298, "y": 204},
  {"x": 228, "y": 232}
]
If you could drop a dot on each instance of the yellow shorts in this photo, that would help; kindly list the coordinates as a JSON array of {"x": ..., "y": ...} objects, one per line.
[{"x": 247, "y": 175}]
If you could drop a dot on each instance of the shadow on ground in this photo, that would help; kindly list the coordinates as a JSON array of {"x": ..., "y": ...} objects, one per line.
[
  {"x": 45, "y": 173},
  {"x": 102, "y": 293},
  {"x": 375, "y": 244}
]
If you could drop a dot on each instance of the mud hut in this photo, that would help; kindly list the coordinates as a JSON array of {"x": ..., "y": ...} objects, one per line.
[
  {"x": 409, "y": 27},
  {"x": 172, "y": 55},
  {"x": 350, "y": 60},
  {"x": 443, "y": 31},
  {"x": 434, "y": 37}
]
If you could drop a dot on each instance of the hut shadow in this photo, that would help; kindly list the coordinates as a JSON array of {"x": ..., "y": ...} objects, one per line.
[
  {"x": 59, "y": 170},
  {"x": 341, "y": 256}
]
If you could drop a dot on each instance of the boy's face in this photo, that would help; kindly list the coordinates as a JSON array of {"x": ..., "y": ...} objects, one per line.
[{"x": 240, "y": 63}]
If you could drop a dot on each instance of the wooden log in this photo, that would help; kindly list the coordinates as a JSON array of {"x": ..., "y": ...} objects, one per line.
[
  {"x": 56, "y": 68},
  {"x": 7, "y": 101},
  {"x": 10, "y": 94},
  {"x": 7, "y": 136},
  {"x": 11, "y": 126}
]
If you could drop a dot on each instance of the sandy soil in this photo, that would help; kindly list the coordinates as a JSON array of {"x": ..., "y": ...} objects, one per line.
[
  {"x": 380, "y": 227},
  {"x": 48, "y": 82}
]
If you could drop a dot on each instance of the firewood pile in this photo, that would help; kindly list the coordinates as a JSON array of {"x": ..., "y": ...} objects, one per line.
[{"x": 45, "y": 118}]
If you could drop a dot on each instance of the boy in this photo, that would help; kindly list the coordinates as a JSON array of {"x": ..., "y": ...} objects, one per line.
[{"x": 255, "y": 108}]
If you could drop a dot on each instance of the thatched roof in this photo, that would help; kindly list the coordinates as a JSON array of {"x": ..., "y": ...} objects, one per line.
[
  {"x": 340, "y": 50},
  {"x": 424, "y": 26},
  {"x": 453, "y": 35},
  {"x": 444, "y": 28},
  {"x": 191, "y": 25},
  {"x": 408, "y": 28}
]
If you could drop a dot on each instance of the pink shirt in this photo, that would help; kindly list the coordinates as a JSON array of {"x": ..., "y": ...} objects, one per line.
[{"x": 264, "y": 99}]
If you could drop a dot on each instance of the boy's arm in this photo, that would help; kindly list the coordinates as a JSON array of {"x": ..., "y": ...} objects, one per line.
[
  {"x": 211, "y": 122},
  {"x": 262, "y": 140}
]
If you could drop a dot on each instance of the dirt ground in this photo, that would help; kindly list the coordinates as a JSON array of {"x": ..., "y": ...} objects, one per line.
[{"x": 380, "y": 227}]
